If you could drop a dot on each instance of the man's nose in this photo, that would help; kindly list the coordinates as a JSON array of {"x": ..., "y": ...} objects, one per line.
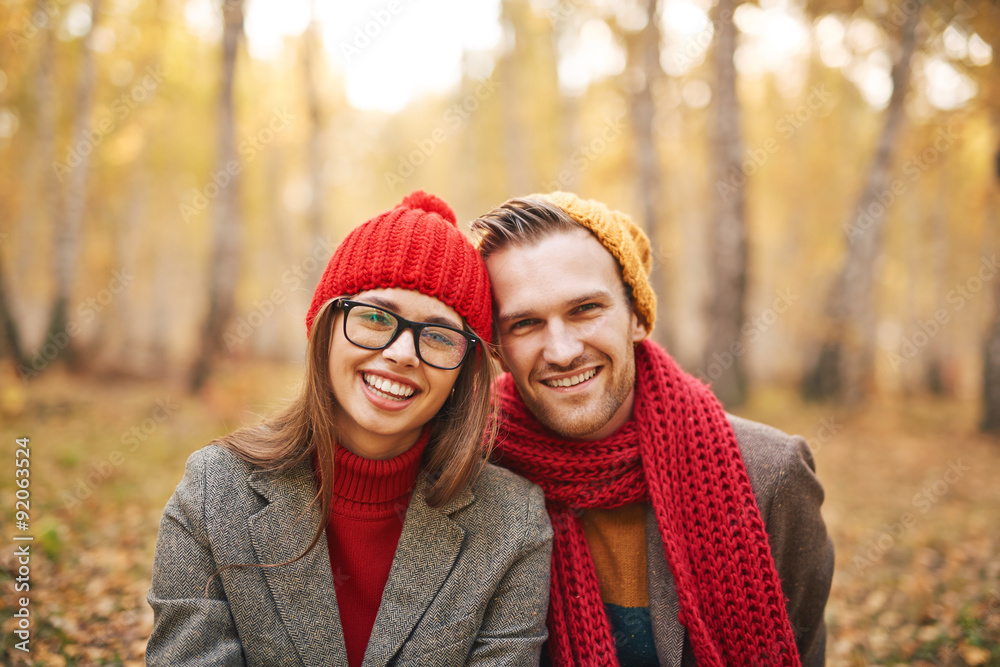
[{"x": 562, "y": 345}]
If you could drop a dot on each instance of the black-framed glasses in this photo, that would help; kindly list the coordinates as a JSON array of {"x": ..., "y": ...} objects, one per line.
[{"x": 375, "y": 328}]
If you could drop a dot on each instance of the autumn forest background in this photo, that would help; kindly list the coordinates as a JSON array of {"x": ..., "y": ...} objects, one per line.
[{"x": 819, "y": 179}]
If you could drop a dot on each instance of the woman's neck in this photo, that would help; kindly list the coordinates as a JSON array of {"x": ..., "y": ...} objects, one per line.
[{"x": 375, "y": 484}]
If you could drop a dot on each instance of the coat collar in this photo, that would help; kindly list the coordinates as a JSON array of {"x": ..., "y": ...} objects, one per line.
[{"x": 304, "y": 592}]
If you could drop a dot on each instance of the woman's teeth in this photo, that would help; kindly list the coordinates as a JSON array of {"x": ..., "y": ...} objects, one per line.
[
  {"x": 571, "y": 381},
  {"x": 388, "y": 388}
]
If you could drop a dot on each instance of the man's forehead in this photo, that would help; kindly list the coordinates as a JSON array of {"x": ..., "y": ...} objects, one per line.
[{"x": 557, "y": 270}]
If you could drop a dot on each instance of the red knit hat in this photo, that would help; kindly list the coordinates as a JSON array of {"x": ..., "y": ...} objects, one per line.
[{"x": 415, "y": 246}]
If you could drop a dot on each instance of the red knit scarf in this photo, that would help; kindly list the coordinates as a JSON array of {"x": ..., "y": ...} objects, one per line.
[{"x": 679, "y": 453}]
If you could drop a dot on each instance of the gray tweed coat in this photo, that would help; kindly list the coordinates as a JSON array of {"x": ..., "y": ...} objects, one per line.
[{"x": 468, "y": 585}]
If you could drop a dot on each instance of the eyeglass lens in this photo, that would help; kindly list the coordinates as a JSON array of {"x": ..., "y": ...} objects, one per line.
[{"x": 373, "y": 328}]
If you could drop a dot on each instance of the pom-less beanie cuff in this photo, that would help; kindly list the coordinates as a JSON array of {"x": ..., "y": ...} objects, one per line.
[{"x": 624, "y": 239}]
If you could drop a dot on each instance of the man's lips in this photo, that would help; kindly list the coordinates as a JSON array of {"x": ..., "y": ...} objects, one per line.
[{"x": 574, "y": 380}]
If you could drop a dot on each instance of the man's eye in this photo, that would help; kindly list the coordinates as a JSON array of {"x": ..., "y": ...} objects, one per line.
[
  {"x": 522, "y": 324},
  {"x": 587, "y": 306}
]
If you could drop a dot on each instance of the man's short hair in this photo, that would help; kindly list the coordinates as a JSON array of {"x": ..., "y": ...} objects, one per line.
[
  {"x": 528, "y": 220},
  {"x": 520, "y": 221}
]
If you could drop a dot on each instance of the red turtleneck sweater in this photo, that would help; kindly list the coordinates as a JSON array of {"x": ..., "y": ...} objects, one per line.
[{"x": 370, "y": 498}]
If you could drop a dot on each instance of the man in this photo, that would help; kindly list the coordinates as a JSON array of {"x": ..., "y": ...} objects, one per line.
[{"x": 683, "y": 535}]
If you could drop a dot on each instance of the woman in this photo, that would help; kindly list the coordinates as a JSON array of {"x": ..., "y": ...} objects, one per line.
[{"x": 361, "y": 525}]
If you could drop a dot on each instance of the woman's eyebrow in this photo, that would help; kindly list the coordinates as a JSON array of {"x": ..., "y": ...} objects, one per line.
[
  {"x": 439, "y": 319},
  {"x": 381, "y": 302},
  {"x": 389, "y": 304}
]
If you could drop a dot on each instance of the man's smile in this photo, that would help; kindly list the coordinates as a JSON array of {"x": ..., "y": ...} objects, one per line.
[{"x": 572, "y": 380}]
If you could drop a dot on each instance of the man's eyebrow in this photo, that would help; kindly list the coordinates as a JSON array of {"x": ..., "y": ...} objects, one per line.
[
  {"x": 596, "y": 295},
  {"x": 519, "y": 315},
  {"x": 389, "y": 304}
]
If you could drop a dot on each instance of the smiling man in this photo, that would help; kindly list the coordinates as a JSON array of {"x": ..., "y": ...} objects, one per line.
[{"x": 683, "y": 535}]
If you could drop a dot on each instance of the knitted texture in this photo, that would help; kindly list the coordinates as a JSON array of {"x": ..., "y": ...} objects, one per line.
[
  {"x": 623, "y": 238},
  {"x": 679, "y": 454},
  {"x": 366, "y": 520},
  {"x": 417, "y": 246}
]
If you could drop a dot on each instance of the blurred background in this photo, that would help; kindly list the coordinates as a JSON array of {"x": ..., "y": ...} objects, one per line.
[{"x": 818, "y": 178}]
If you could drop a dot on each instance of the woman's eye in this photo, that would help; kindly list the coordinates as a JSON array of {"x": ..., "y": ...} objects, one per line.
[
  {"x": 375, "y": 317},
  {"x": 438, "y": 339}
]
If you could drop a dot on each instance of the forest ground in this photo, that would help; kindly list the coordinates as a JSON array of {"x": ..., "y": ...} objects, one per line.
[{"x": 912, "y": 505}]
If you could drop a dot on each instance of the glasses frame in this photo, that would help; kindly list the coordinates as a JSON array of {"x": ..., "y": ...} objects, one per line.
[{"x": 402, "y": 324}]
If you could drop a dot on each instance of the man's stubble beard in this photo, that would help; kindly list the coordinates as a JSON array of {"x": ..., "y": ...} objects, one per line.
[{"x": 580, "y": 421}]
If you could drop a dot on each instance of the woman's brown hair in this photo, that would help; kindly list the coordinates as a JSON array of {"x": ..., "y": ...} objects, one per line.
[{"x": 462, "y": 432}]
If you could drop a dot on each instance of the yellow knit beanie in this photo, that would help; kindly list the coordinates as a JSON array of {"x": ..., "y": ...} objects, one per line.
[{"x": 623, "y": 238}]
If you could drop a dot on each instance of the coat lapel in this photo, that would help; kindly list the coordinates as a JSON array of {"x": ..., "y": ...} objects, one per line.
[
  {"x": 303, "y": 591},
  {"x": 664, "y": 608},
  {"x": 428, "y": 547}
]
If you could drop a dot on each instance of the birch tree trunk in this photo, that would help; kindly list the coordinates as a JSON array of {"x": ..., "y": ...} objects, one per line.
[
  {"x": 990, "y": 422},
  {"x": 311, "y": 51},
  {"x": 843, "y": 367},
  {"x": 10, "y": 337},
  {"x": 74, "y": 171},
  {"x": 224, "y": 262},
  {"x": 645, "y": 73},
  {"x": 518, "y": 166},
  {"x": 936, "y": 374},
  {"x": 41, "y": 187},
  {"x": 723, "y": 362},
  {"x": 120, "y": 350}
]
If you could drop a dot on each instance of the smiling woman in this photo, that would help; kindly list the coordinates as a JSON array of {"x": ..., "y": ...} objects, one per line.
[{"x": 362, "y": 524}]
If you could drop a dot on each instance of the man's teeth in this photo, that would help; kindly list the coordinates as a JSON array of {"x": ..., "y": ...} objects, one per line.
[
  {"x": 388, "y": 388},
  {"x": 571, "y": 381}
]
